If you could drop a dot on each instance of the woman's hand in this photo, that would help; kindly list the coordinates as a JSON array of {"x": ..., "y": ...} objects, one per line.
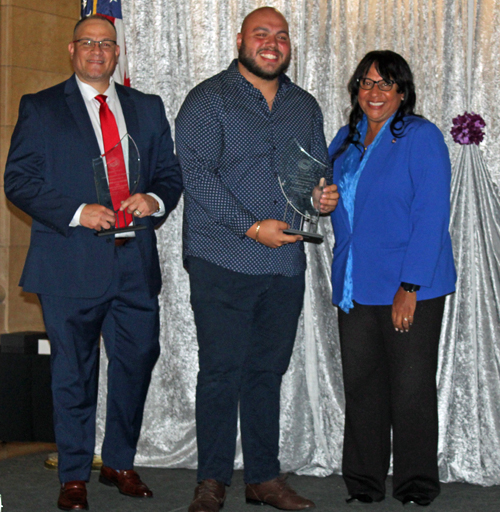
[
  {"x": 325, "y": 198},
  {"x": 403, "y": 309}
]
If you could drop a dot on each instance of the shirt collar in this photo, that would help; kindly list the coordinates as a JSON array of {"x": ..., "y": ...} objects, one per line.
[{"x": 89, "y": 93}]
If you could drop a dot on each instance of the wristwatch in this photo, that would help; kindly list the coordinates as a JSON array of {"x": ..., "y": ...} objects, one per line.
[{"x": 411, "y": 288}]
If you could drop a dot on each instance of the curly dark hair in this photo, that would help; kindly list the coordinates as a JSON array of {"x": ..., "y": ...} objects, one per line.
[{"x": 390, "y": 66}]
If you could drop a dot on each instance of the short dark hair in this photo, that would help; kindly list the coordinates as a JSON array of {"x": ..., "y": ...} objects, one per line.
[
  {"x": 92, "y": 17},
  {"x": 390, "y": 66}
]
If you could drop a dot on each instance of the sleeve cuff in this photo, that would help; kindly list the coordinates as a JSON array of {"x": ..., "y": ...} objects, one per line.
[
  {"x": 75, "y": 221},
  {"x": 161, "y": 204}
]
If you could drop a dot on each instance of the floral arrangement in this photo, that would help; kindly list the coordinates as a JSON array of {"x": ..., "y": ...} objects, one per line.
[{"x": 467, "y": 129}]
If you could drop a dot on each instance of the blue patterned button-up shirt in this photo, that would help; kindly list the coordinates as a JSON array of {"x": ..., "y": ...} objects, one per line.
[{"x": 230, "y": 146}]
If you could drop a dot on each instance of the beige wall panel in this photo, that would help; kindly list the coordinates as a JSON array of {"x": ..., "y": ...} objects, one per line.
[
  {"x": 3, "y": 308},
  {"x": 4, "y": 225},
  {"x": 34, "y": 36},
  {"x": 5, "y": 22},
  {"x": 20, "y": 227},
  {"x": 27, "y": 81},
  {"x": 5, "y": 136},
  {"x": 4, "y": 269},
  {"x": 24, "y": 310},
  {"x": 40, "y": 41},
  {"x": 68, "y": 8},
  {"x": 5, "y": 90}
]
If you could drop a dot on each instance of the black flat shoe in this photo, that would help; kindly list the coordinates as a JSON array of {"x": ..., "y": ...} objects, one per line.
[
  {"x": 417, "y": 498},
  {"x": 360, "y": 497}
]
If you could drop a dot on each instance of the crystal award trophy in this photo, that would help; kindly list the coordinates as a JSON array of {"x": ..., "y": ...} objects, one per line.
[
  {"x": 128, "y": 148},
  {"x": 300, "y": 177}
]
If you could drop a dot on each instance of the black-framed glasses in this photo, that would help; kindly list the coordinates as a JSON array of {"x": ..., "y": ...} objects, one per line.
[
  {"x": 89, "y": 44},
  {"x": 368, "y": 84}
]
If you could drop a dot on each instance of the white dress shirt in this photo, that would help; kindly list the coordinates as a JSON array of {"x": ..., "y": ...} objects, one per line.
[{"x": 89, "y": 96}]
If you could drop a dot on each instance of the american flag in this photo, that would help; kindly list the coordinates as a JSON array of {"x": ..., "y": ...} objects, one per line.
[{"x": 112, "y": 9}]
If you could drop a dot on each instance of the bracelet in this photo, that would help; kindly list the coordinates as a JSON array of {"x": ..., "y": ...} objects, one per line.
[
  {"x": 257, "y": 231},
  {"x": 409, "y": 287}
]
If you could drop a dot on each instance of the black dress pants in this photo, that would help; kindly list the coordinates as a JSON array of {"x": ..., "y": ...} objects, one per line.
[{"x": 390, "y": 382}]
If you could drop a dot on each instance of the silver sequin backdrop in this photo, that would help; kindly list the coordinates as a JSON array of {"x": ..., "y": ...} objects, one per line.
[{"x": 453, "y": 49}]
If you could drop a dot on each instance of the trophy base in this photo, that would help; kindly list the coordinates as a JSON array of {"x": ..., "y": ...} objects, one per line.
[
  {"x": 312, "y": 238},
  {"x": 114, "y": 231}
]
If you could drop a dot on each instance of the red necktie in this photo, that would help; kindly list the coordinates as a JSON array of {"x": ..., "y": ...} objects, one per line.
[{"x": 117, "y": 172}]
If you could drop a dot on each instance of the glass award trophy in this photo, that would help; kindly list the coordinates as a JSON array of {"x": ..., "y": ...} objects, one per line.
[
  {"x": 300, "y": 177},
  {"x": 130, "y": 152}
]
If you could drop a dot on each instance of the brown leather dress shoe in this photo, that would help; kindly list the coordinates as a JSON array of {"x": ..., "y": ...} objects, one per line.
[
  {"x": 127, "y": 481},
  {"x": 276, "y": 493},
  {"x": 209, "y": 496},
  {"x": 73, "y": 496}
]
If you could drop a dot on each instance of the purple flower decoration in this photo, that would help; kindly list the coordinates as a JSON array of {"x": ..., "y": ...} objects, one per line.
[{"x": 467, "y": 129}]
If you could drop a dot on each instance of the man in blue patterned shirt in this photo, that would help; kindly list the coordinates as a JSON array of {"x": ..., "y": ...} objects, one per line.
[{"x": 246, "y": 274}]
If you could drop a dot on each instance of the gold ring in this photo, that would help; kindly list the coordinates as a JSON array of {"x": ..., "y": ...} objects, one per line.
[{"x": 137, "y": 213}]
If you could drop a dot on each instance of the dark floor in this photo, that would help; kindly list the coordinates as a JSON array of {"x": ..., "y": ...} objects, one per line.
[{"x": 25, "y": 486}]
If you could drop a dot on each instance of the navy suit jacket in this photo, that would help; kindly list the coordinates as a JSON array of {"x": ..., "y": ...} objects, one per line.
[
  {"x": 49, "y": 174},
  {"x": 401, "y": 218}
]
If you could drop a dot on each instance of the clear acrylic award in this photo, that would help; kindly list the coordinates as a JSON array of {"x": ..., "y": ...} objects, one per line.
[
  {"x": 301, "y": 180},
  {"x": 128, "y": 148}
]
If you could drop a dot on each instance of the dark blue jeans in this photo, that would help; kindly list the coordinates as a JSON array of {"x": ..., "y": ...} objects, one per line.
[{"x": 246, "y": 329}]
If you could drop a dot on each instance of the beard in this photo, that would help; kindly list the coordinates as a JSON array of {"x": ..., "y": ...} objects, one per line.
[{"x": 249, "y": 62}]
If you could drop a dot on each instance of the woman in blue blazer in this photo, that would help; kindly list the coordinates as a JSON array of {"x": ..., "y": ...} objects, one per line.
[{"x": 392, "y": 267}]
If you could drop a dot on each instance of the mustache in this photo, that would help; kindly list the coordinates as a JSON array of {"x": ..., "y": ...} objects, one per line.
[{"x": 270, "y": 49}]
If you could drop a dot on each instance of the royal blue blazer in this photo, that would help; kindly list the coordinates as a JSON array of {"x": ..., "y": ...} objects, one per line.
[
  {"x": 401, "y": 218},
  {"x": 49, "y": 174}
]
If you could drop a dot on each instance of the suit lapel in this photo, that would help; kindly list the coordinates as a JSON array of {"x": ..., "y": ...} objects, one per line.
[
  {"x": 340, "y": 210},
  {"x": 371, "y": 172},
  {"x": 80, "y": 114},
  {"x": 84, "y": 133},
  {"x": 132, "y": 122}
]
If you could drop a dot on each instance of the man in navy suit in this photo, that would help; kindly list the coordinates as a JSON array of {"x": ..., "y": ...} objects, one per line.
[{"x": 90, "y": 285}]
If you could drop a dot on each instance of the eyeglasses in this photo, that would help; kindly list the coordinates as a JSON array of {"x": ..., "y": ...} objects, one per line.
[
  {"x": 89, "y": 44},
  {"x": 367, "y": 84}
]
